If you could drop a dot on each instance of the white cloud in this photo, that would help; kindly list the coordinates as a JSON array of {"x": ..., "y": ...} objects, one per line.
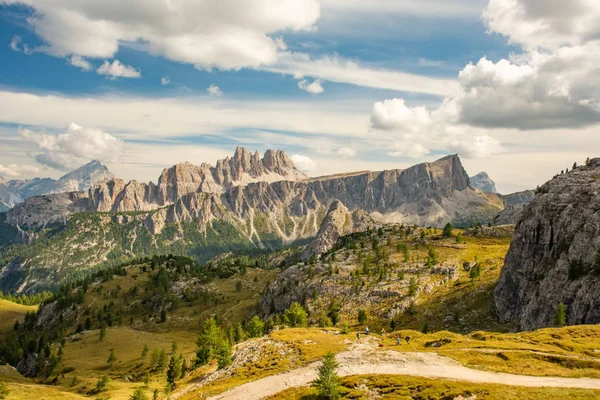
[
  {"x": 208, "y": 34},
  {"x": 338, "y": 69},
  {"x": 74, "y": 147},
  {"x": 17, "y": 170},
  {"x": 394, "y": 114},
  {"x": 214, "y": 90},
  {"x": 80, "y": 62},
  {"x": 118, "y": 70},
  {"x": 16, "y": 44},
  {"x": 408, "y": 149},
  {"x": 480, "y": 147},
  {"x": 313, "y": 87},
  {"x": 347, "y": 152},
  {"x": 548, "y": 24},
  {"x": 303, "y": 163},
  {"x": 165, "y": 80}
]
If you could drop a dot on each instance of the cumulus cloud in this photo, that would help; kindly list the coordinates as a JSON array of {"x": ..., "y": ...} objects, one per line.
[
  {"x": 165, "y": 80},
  {"x": 303, "y": 163},
  {"x": 408, "y": 149},
  {"x": 74, "y": 147},
  {"x": 80, "y": 62},
  {"x": 116, "y": 69},
  {"x": 207, "y": 34},
  {"x": 394, "y": 114},
  {"x": 13, "y": 170},
  {"x": 313, "y": 87},
  {"x": 214, "y": 90}
]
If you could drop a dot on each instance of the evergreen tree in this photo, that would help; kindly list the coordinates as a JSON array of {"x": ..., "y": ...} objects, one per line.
[
  {"x": 560, "y": 319},
  {"x": 255, "y": 327},
  {"x": 296, "y": 315},
  {"x": 155, "y": 395},
  {"x": 448, "y": 230},
  {"x": 102, "y": 332},
  {"x": 102, "y": 384},
  {"x": 138, "y": 394},
  {"x": 162, "y": 360},
  {"x": 362, "y": 317},
  {"x": 163, "y": 315},
  {"x": 211, "y": 341},
  {"x": 174, "y": 371},
  {"x": 112, "y": 358},
  {"x": 425, "y": 329},
  {"x": 147, "y": 379},
  {"x": 145, "y": 352},
  {"x": 328, "y": 382},
  {"x": 174, "y": 347}
]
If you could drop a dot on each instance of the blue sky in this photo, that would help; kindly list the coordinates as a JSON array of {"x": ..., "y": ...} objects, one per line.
[{"x": 351, "y": 85}]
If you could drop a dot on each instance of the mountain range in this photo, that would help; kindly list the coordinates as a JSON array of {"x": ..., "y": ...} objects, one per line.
[
  {"x": 243, "y": 202},
  {"x": 13, "y": 192}
]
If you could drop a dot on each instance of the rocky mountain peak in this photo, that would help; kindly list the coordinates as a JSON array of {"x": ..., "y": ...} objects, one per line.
[
  {"x": 338, "y": 221},
  {"x": 483, "y": 182},
  {"x": 554, "y": 256}
]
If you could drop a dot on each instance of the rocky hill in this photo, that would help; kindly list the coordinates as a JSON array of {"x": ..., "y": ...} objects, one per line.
[
  {"x": 554, "y": 257},
  {"x": 514, "y": 204},
  {"x": 483, "y": 182},
  {"x": 201, "y": 211},
  {"x": 13, "y": 192}
]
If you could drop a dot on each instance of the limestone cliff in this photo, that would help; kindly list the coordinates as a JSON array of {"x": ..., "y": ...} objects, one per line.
[
  {"x": 554, "y": 255},
  {"x": 339, "y": 221}
]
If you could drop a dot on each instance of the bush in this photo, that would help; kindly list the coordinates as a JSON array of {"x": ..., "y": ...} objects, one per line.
[
  {"x": 138, "y": 394},
  {"x": 3, "y": 390},
  {"x": 255, "y": 327}
]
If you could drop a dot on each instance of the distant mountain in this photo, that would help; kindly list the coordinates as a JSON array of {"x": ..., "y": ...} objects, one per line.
[
  {"x": 483, "y": 182},
  {"x": 243, "y": 202},
  {"x": 16, "y": 191}
]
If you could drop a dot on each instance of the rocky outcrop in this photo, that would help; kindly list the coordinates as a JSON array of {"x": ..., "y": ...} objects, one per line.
[
  {"x": 554, "y": 255},
  {"x": 483, "y": 182},
  {"x": 339, "y": 221},
  {"x": 513, "y": 207}
]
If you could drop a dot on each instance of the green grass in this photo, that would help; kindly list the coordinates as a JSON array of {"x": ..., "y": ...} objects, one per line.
[
  {"x": 367, "y": 387},
  {"x": 10, "y": 312}
]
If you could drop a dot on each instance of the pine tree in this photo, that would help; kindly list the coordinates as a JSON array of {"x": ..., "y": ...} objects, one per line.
[
  {"x": 425, "y": 329},
  {"x": 296, "y": 315},
  {"x": 112, "y": 358},
  {"x": 102, "y": 332},
  {"x": 138, "y": 394},
  {"x": 255, "y": 327},
  {"x": 173, "y": 372},
  {"x": 362, "y": 317},
  {"x": 155, "y": 395},
  {"x": 328, "y": 382},
  {"x": 162, "y": 360},
  {"x": 145, "y": 352},
  {"x": 448, "y": 230},
  {"x": 102, "y": 384},
  {"x": 147, "y": 379},
  {"x": 560, "y": 319}
]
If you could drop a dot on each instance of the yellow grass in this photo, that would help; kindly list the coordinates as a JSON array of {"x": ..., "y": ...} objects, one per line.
[
  {"x": 366, "y": 387},
  {"x": 10, "y": 312}
]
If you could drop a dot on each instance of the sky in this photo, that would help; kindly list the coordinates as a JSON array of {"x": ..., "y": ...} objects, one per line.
[{"x": 511, "y": 86}]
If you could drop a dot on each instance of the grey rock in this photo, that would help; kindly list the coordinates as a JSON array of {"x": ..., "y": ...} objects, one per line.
[
  {"x": 483, "y": 182},
  {"x": 553, "y": 256}
]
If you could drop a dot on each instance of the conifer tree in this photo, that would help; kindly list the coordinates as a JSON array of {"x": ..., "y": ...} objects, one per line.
[{"x": 328, "y": 382}]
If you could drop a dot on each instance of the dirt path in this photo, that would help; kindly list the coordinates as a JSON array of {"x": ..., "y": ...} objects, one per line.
[{"x": 364, "y": 359}]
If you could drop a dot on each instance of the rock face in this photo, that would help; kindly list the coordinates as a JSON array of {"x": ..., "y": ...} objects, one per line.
[
  {"x": 514, "y": 205},
  {"x": 554, "y": 256},
  {"x": 16, "y": 191},
  {"x": 339, "y": 221},
  {"x": 483, "y": 182}
]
